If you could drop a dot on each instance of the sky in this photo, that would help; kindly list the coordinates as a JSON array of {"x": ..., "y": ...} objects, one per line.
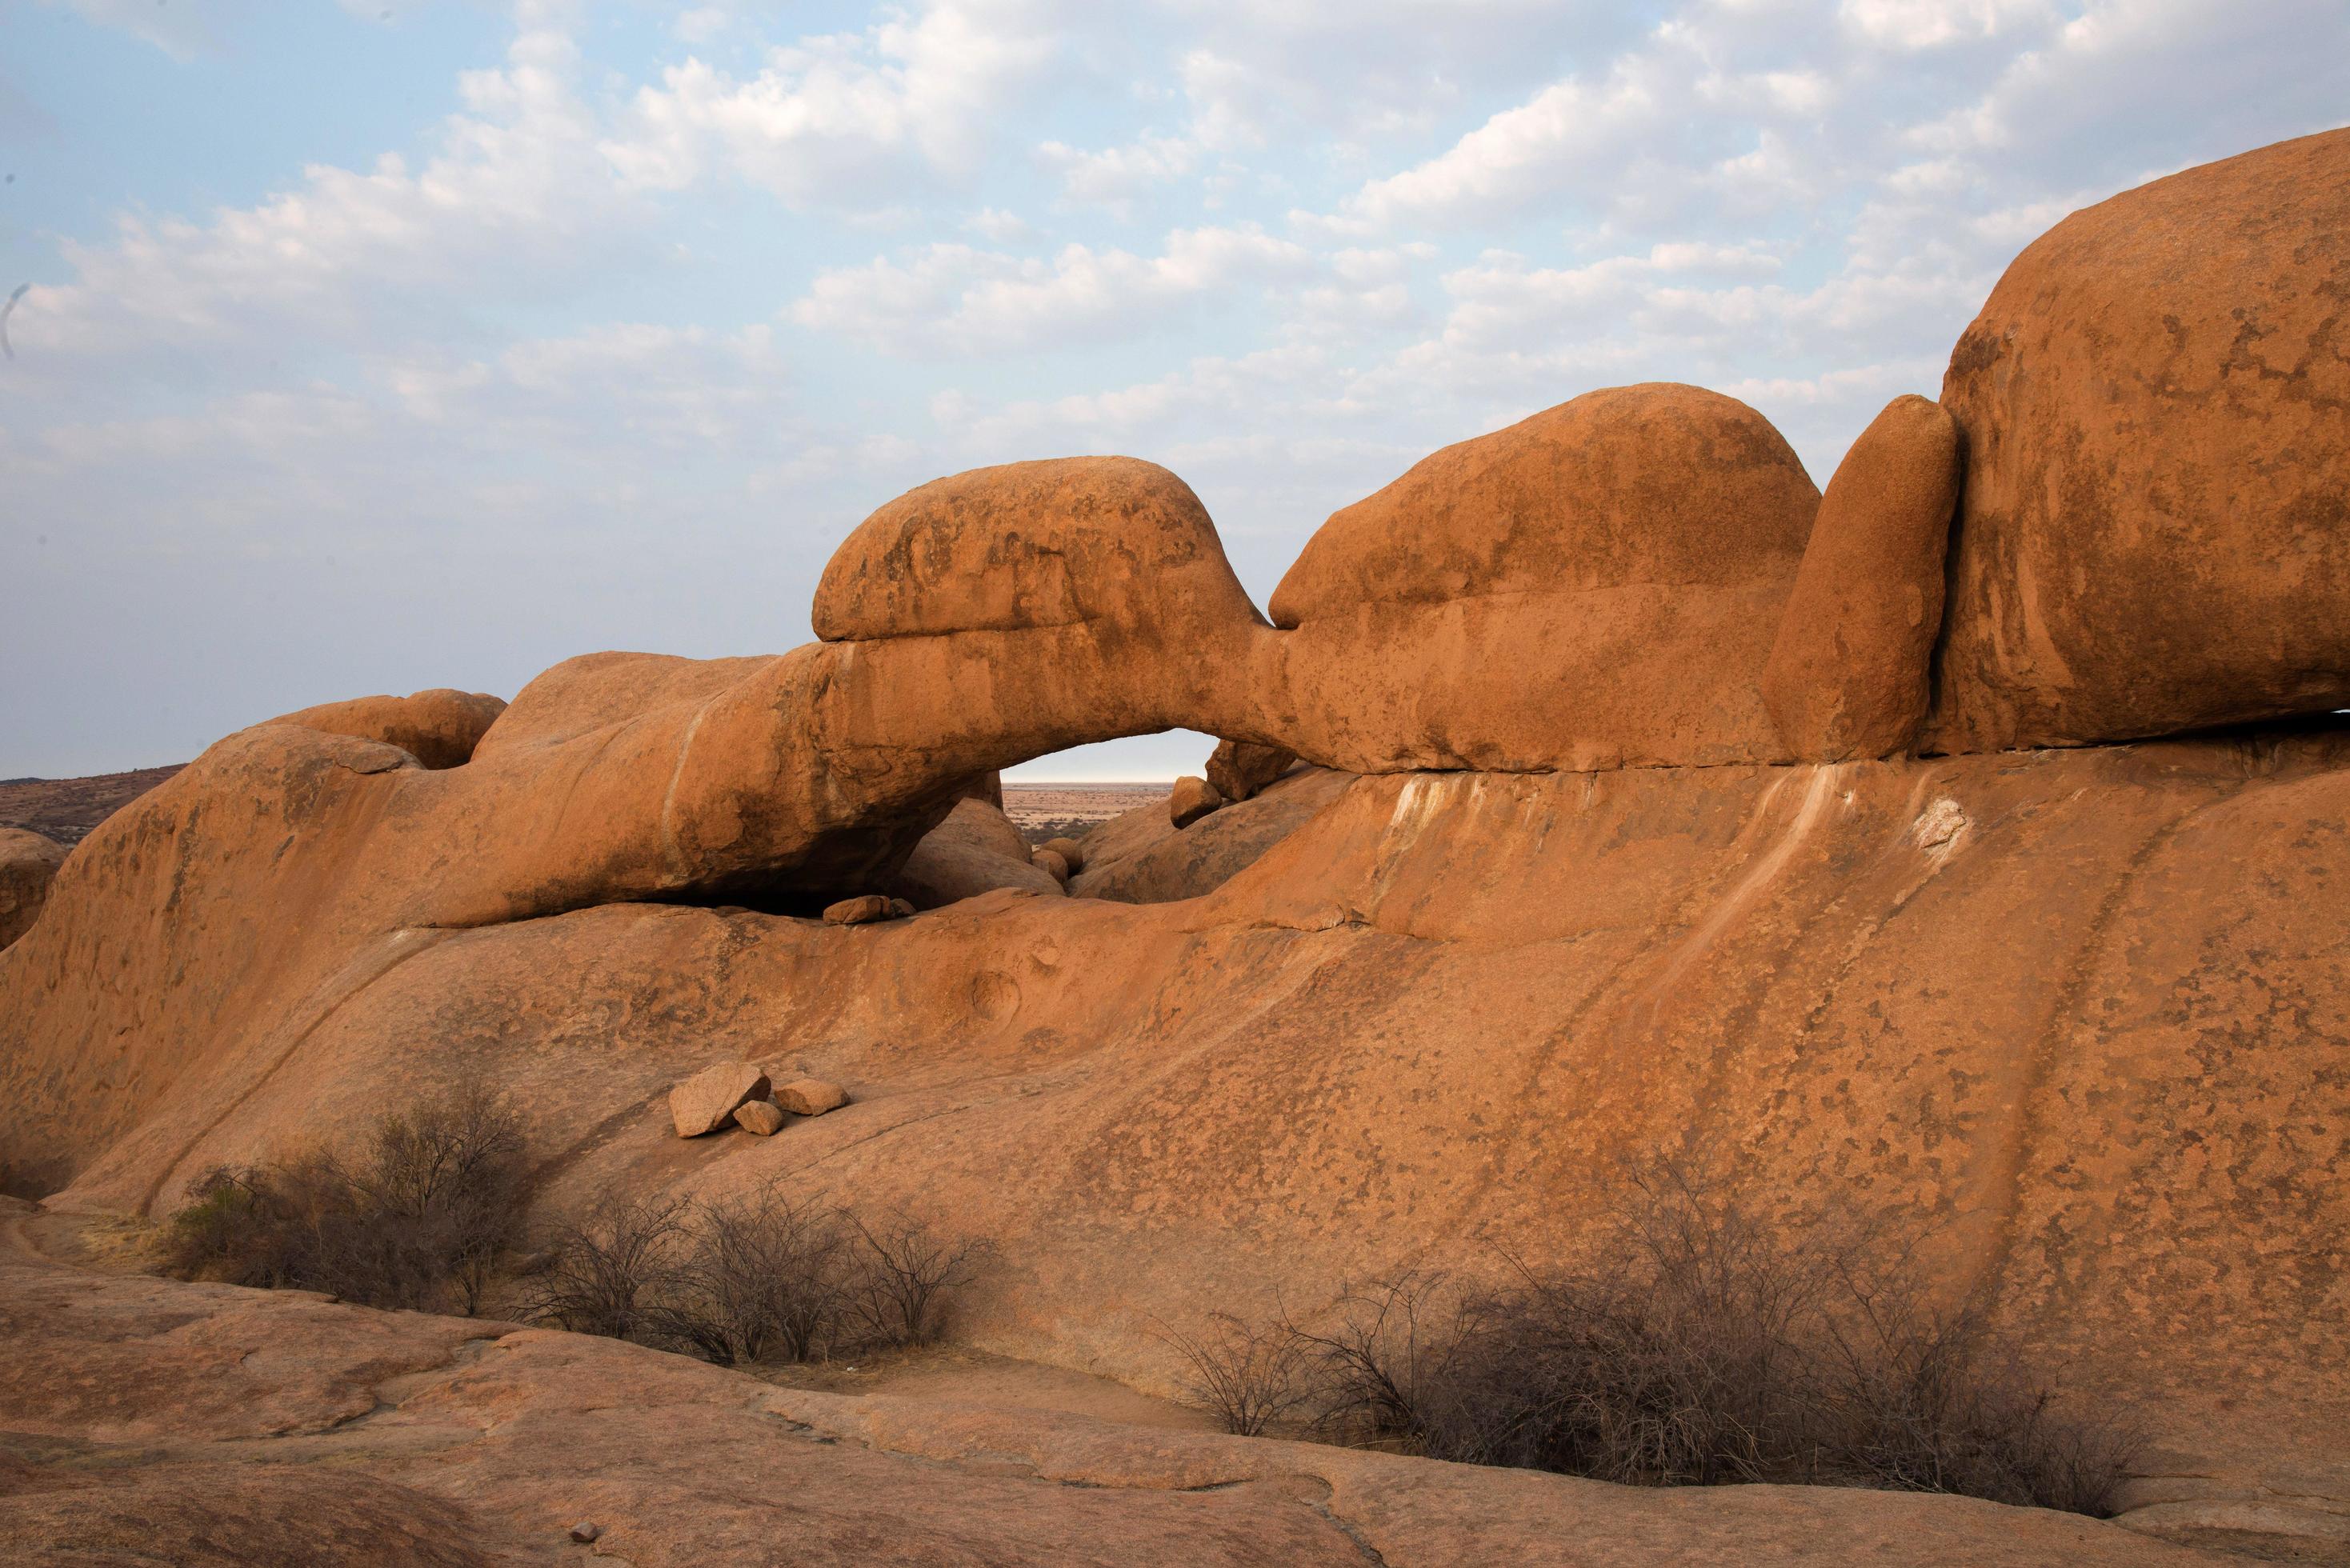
[{"x": 384, "y": 346}]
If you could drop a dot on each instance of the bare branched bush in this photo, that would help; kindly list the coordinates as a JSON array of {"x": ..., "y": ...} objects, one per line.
[
  {"x": 418, "y": 1219},
  {"x": 1387, "y": 1365},
  {"x": 763, "y": 1277},
  {"x": 619, "y": 1274},
  {"x": 1246, "y": 1377},
  {"x": 1918, "y": 1399},
  {"x": 905, "y": 1273},
  {"x": 1700, "y": 1345}
]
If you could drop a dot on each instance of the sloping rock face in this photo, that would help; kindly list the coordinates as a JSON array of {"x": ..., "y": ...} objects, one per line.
[
  {"x": 975, "y": 850},
  {"x": 2075, "y": 1018},
  {"x": 1148, "y": 860},
  {"x": 28, "y": 864},
  {"x": 1429, "y": 1018},
  {"x": 1594, "y": 586},
  {"x": 2156, "y": 529}
]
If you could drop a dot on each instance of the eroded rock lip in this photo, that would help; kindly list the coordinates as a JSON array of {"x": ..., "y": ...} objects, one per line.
[
  {"x": 440, "y": 728},
  {"x": 2155, "y": 531}
]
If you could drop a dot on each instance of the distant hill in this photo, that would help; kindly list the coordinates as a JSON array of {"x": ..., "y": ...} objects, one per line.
[{"x": 67, "y": 809}]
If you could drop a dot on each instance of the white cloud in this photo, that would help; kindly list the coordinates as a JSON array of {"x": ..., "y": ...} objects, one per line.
[
  {"x": 1114, "y": 176},
  {"x": 954, "y": 299},
  {"x": 843, "y": 119},
  {"x": 1913, "y": 24},
  {"x": 349, "y": 257},
  {"x": 701, "y": 23}
]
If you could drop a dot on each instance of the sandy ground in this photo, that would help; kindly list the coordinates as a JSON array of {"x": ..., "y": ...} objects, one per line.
[{"x": 1046, "y": 810}]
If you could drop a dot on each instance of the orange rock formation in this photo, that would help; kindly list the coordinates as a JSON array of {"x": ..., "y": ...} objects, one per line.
[{"x": 2078, "y": 1013}]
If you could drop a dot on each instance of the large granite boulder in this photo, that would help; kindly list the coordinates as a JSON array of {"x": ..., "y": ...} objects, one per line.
[
  {"x": 1594, "y": 586},
  {"x": 2154, "y": 530},
  {"x": 1142, "y": 858},
  {"x": 1849, "y": 671}
]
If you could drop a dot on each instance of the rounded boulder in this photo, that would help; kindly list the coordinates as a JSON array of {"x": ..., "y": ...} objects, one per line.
[{"x": 2154, "y": 533}]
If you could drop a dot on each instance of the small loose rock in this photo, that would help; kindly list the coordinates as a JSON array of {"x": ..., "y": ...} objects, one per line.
[
  {"x": 706, "y": 1102},
  {"x": 760, "y": 1117},
  {"x": 1193, "y": 798},
  {"x": 811, "y": 1096},
  {"x": 585, "y": 1532},
  {"x": 863, "y": 909}
]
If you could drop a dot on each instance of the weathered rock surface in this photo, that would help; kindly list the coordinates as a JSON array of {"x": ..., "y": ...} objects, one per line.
[
  {"x": 484, "y": 1444},
  {"x": 1962, "y": 986},
  {"x": 2155, "y": 533},
  {"x": 762, "y": 1118},
  {"x": 1191, "y": 798},
  {"x": 1848, "y": 675},
  {"x": 1594, "y": 586},
  {"x": 28, "y": 864},
  {"x": 708, "y": 1100},
  {"x": 2073, "y": 1018},
  {"x": 975, "y": 850},
  {"x": 863, "y": 909},
  {"x": 1026, "y": 546},
  {"x": 439, "y": 728},
  {"x": 1148, "y": 860},
  {"x": 811, "y": 1096},
  {"x": 1239, "y": 770}
]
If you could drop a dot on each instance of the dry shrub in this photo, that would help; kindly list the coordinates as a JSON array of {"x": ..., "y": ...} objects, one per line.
[
  {"x": 765, "y": 1280},
  {"x": 1388, "y": 1369},
  {"x": 616, "y": 1275},
  {"x": 1246, "y": 1377},
  {"x": 763, "y": 1277},
  {"x": 418, "y": 1219},
  {"x": 1697, "y": 1346},
  {"x": 903, "y": 1274}
]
